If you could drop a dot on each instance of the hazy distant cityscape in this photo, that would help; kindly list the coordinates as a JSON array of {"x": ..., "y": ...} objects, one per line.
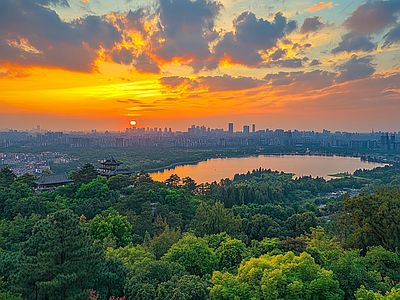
[
  {"x": 201, "y": 136},
  {"x": 196, "y": 137}
]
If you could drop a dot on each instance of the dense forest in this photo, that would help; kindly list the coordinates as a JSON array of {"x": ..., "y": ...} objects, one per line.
[{"x": 260, "y": 235}]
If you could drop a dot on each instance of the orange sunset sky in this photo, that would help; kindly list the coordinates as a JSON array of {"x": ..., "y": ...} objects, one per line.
[{"x": 97, "y": 64}]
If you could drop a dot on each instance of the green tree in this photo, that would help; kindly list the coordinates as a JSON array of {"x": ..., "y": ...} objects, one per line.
[
  {"x": 231, "y": 253},
  {"x": 374, "y": 219},
  {"x": 111, "y": 224},
  {"x": 189, "y": 184},
  {"x": 7, "y": 177},
  {"x": 7, "y": 295},
  {"x": 59, "y": 261},
  {"x": 16, "y": 231},
  {"x": 194, "y": 254},
  {"x": 263, "y": 247},
  {"x": 33, "y": 205},
  {"x": 131, "y": 256},
  {"x": 213, "y": 219},
  {"x": 385, "y": 262},
  {"x": 349, "y": 268},
  {"x": 173, "y": 181},
  {"x": 119, "y": 182},
  {"x": 144, "y": 281},
  {"x": 277, "y": 277},
  {"x": 298, "y": 224},
  {"x": 184, "y": 208},
  {"x": 28, "y": 179},
  {"x": 187, "y": 287},
  {"x": 261, "y": 226},
  {"x": 97, "y": 188},
  {"x": 364, "y": 294},
  {"x": 114, "y": 276},
  {"x": 9, "y": 198},
  {"x": 85, "y": 175},
  {"x": 143, "y": 179},
  {"x": 162, "y": 243}
]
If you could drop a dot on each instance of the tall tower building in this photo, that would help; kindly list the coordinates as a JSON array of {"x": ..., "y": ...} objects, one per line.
[
  {"x": 246, "y": 129},
  {"x": 254, "y": 128},
  {"x": 230, "y": 128}
]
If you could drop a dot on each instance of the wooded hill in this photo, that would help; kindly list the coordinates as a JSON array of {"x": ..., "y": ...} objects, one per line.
[{"x": 261, "y": 235}]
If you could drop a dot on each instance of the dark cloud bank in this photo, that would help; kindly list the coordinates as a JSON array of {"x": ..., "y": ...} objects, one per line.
[{"x": 372, "y": 17}]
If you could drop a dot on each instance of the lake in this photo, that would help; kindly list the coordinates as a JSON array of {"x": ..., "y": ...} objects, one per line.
[{"x": 301, "y": 165}]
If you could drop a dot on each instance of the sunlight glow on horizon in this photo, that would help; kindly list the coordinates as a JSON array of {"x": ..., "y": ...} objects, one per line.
[{"x": 157, "y": 66}]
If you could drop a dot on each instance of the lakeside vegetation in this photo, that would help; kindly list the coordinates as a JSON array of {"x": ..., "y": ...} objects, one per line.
[
  {"x": 157, "y": 158},
  {"x": 260, "y": 235}
]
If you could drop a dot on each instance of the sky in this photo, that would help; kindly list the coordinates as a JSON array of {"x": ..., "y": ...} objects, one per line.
[{"x": 98, "y": 64}]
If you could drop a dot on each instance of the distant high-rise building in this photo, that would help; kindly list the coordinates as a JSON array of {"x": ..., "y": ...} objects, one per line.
[
  {"x": 230, "y": 126},
  {"x": 165, "y": 129},
  {"x": 246, "y": 129},
  {"x": 38, "y": 128},
  {"x": 254, "y": 128},
  {"x": 119, "y": 142}
]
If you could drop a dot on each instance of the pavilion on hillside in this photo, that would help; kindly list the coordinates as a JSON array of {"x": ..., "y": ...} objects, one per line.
[
  {"x": 50, "y": 182},
  {"x": 111, "y": 167}
]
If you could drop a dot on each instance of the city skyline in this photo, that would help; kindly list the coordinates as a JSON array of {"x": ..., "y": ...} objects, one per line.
[
  {"x": 229, "y": 128},
  {"x": 82, "y": 65}
]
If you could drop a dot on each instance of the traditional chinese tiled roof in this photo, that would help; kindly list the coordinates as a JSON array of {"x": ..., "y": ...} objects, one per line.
[
  {"x": 111, "y": 162},
  {"x": 53, "y": 179}
]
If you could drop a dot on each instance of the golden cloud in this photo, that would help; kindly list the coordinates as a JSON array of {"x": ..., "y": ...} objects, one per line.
[{"x": 320, "y": 6}]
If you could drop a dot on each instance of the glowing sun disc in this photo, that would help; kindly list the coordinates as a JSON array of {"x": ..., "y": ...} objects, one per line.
[{"x": 133, "y": 123}]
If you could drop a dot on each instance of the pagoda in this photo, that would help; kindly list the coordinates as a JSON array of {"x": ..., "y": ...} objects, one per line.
[{"x": 111, "y": 167}]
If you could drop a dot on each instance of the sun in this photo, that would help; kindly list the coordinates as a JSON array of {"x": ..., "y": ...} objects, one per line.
[{"x": 133, "y": 123}]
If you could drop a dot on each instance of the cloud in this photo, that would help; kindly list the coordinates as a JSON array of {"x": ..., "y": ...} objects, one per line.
[
  {"x": 301, "y": 49},
  {"x": 174, "y": 81},
  {"x": 11, "y": 73},
  {"x": 373, "y": 16},
  {"x": 311, "y": 24},
  {"x": 134, "y": 21},
  {"x": 185, "y": 29},
  {"x": 353, "y": 42},
  {"x": 302, "y": 81},
  {"x": 122, "y": 56},
  {"x": 315, "y": 62},
  {"x": 250, "y": 36},
  {"x": 287, "y": 63},
  {"x": 305, "y": 82},
  {"x": 145, "y": 64},
  {"x": 369, "y": 94},
  {"x": 317, "y": 79},
  {"x": 318, "y": 7},
  {"x": 34, "y": 35},
  {"x": 278, "y": 54},
  {"x": 53, "y": 2},
  {"x": 281, "y": 78},
  {"x": 393, "y": 36},
  {"x": 211, "y": 83},
  {"x": 228, "y": 83},
  {"x": 355, "y": 68}
]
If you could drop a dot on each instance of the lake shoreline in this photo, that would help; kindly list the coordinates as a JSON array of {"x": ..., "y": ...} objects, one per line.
[{"x": 183, "y": 164}]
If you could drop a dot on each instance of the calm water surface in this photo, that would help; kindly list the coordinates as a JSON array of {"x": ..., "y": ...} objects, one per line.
[{"x": 217, "y": 168}]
